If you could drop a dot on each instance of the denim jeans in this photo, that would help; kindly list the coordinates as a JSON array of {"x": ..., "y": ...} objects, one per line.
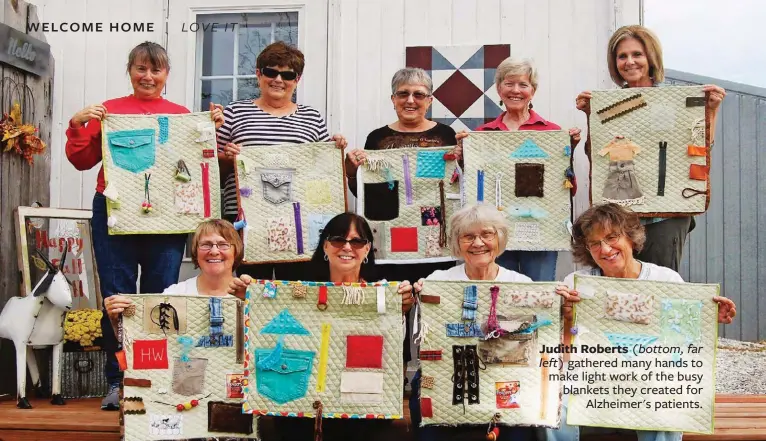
[
  {"x": 118, "y": 258},
  {"x": 539, "y": 266},
  {"x": 565, "y": 432},
  {"x": 473, "y": 432}
]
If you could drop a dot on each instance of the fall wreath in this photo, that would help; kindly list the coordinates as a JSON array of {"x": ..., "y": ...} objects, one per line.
[{"x": 18, "y": 137}]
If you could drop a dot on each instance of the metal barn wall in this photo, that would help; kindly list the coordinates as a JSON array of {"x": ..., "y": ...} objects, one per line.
[{"x": 728, "y": 245}]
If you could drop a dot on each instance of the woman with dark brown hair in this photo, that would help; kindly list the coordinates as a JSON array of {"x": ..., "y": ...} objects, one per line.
[
  {"x": 119, "y": 256},
  {"x": 606, "y": 238},
  {"x": 270, "y": 119}
]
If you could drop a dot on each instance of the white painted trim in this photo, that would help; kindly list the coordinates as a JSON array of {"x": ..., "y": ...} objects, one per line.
[{"x": 333, "y": 108}]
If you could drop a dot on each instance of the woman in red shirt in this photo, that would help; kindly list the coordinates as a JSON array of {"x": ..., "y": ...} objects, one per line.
[
  {"x": 516, "y": 82},
  {"x": 118, "y": 257}
]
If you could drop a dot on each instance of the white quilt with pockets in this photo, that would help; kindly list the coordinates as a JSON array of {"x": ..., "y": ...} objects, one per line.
[
  {"x": 649, "y": 117},
  {"x": 282, "y": 190},
  {"x": 614, "y": 314},
  {"x": 522, "y": 394},
  {"x": 400, "y": 195},
  {"x": 346, "y": 355},
  {"x": 134, "y": 146},
  {"x": 523, "y": 175},
  {"x": 162, "y": 421}
]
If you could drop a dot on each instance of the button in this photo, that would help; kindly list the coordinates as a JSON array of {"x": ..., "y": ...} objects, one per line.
[
  {"x": 132, "y": 142},
  {"x": 284, "y": 367}
]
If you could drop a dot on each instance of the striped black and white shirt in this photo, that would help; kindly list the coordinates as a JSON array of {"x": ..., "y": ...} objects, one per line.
[{"x": 249, "y": 126}]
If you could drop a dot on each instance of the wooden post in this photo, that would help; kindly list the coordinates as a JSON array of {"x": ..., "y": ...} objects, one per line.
[{"x": 21, "y": 184}]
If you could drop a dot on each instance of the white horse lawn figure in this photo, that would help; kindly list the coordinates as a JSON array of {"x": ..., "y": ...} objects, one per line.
[{"x": 38, "y": 320}]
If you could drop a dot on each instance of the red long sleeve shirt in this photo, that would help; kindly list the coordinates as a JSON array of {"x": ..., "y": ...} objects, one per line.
[{"x": 83, "y": 144}]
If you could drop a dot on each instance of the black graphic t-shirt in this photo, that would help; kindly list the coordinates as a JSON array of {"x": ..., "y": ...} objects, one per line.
[{"x": 440, "y": 135}]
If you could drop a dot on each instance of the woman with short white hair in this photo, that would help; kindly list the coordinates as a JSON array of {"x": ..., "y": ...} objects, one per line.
[{"x": 477, "y": 235}]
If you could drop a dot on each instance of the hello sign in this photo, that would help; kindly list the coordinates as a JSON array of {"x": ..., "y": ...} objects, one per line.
[{"x": 24, "y": 51}]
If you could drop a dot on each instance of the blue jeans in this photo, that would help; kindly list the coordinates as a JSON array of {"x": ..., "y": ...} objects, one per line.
[
  {"x": 473, "y": 432},
  {"x": 539, "y": 266},
  {"x": 565, "y": 432},
  {"x": 118, "y": 258}
]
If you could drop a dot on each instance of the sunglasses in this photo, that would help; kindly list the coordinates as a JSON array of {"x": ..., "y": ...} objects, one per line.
[
  {"x": 339, "y": 242},
  {"x": 286, "y": 75},
  {"x": 418, "y": 96}
]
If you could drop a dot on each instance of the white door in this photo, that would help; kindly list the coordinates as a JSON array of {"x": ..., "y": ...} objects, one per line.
[{"x": 213, "y": 48}]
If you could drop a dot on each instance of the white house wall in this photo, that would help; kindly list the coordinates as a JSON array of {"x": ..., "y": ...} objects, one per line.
[{"x": 566, "y": 38}]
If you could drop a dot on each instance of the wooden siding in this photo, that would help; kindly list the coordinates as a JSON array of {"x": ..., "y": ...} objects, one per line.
[{"x": 728, "y": 245}]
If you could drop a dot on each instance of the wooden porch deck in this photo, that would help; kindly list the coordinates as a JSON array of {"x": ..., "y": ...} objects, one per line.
[{"x": 737, "y": 418}]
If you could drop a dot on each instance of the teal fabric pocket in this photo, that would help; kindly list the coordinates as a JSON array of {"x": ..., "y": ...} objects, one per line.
[
  {"x": 132, "y": 150},
  {"x": 431, "y": 164},
  {"x": 288, "y": 379}
]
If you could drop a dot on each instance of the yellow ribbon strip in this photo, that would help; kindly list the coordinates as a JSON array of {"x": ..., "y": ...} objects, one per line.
[{"x": 324, "y": 351}]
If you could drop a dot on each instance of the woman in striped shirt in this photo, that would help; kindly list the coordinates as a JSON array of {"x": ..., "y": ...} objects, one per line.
[{"x": 271, "y": 119}]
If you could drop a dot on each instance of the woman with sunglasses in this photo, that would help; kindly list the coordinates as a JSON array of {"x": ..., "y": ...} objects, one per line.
[
  {"x": 343, "y": 255},
  {"x": 477, "y": 235},
  {"x": 606, "y": 238},
  {"x": 271, "y": 119}
]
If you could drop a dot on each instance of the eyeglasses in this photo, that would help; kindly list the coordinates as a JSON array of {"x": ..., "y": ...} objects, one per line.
[
  {"x": 339, "y": 242},
  {"x": 485, "y": 236},
  {"x": 609, "y": 240},
  {"x": 207, "y": 246},
  {"x": 418, "y": 96},
  {"x": 286, "y": 75}
]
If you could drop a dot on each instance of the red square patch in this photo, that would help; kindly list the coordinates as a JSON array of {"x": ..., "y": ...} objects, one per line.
[
  {"x": 426, "y": 409},
  {"x": 364, "y": 351},
  {"x": 404, "y": 239},
  {"x": 150, "y": 354}
]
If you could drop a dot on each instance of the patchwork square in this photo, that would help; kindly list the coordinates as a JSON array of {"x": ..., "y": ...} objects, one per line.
[
  {"x": 629, "y": 307},
  {"x": 189, "y": 376},
  {"x": 529, "y": 180},
  {"x": 280, "y": 234},
  {"x": 431, "y": 164},
  {"x": 364, "y": 351},
  {"x": 188, "y": 197},
  {"x": 432, "y": 242},
  {"x": 150, "y": 354},
  {"x": 164, "y": 315},
  {"x": 316, "y": 223},
  {"x": 361, "y": 387},
  {"x": 680, "y": 321},
  {"x": 228, "y": 417},
  {"x": 318, "y": 192},
  {"x": 166, "y": 424},
  {"x": 430, "y": 215},
  {"x": 404, "y": 239}
]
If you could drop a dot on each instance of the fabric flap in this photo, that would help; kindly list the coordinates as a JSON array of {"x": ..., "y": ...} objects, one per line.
[{"x": 361, "y": 382}]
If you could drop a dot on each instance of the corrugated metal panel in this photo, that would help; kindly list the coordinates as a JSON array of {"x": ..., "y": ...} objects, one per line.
[{"x": 728, "y": 246}]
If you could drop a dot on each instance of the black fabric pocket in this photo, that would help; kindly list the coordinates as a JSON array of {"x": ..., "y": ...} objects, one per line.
[
  {"x": 228, "y": 417},
  {"x": 529, "y": 180},
  {"x": 380, "y": 202}
]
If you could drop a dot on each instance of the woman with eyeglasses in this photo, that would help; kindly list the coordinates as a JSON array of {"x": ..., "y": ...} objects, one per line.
[
  {"x": 270, "y": 119},
  {"x": 216, "y": 250},
  {"x": 343, "y": 255},
  {"x": 516, "y": 83},
  {"x": 606, "y": 238},
  {"x": 477, "y": 235}
]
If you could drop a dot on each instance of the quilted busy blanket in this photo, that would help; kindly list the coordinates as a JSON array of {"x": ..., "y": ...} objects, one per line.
[
  {"x": 161, "y": 172},
  {"x": 287, "y": 194},
  {"x": 528, "y": 176},
  {"x": 407, "y": 195},
  {"x": 184, "y": 372},
  {"x": 321, "y": 349},
  {"x": 480, "y": 353},
  {"x": 646, "y": 355},
  {"x": 650, "y": 149}
]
